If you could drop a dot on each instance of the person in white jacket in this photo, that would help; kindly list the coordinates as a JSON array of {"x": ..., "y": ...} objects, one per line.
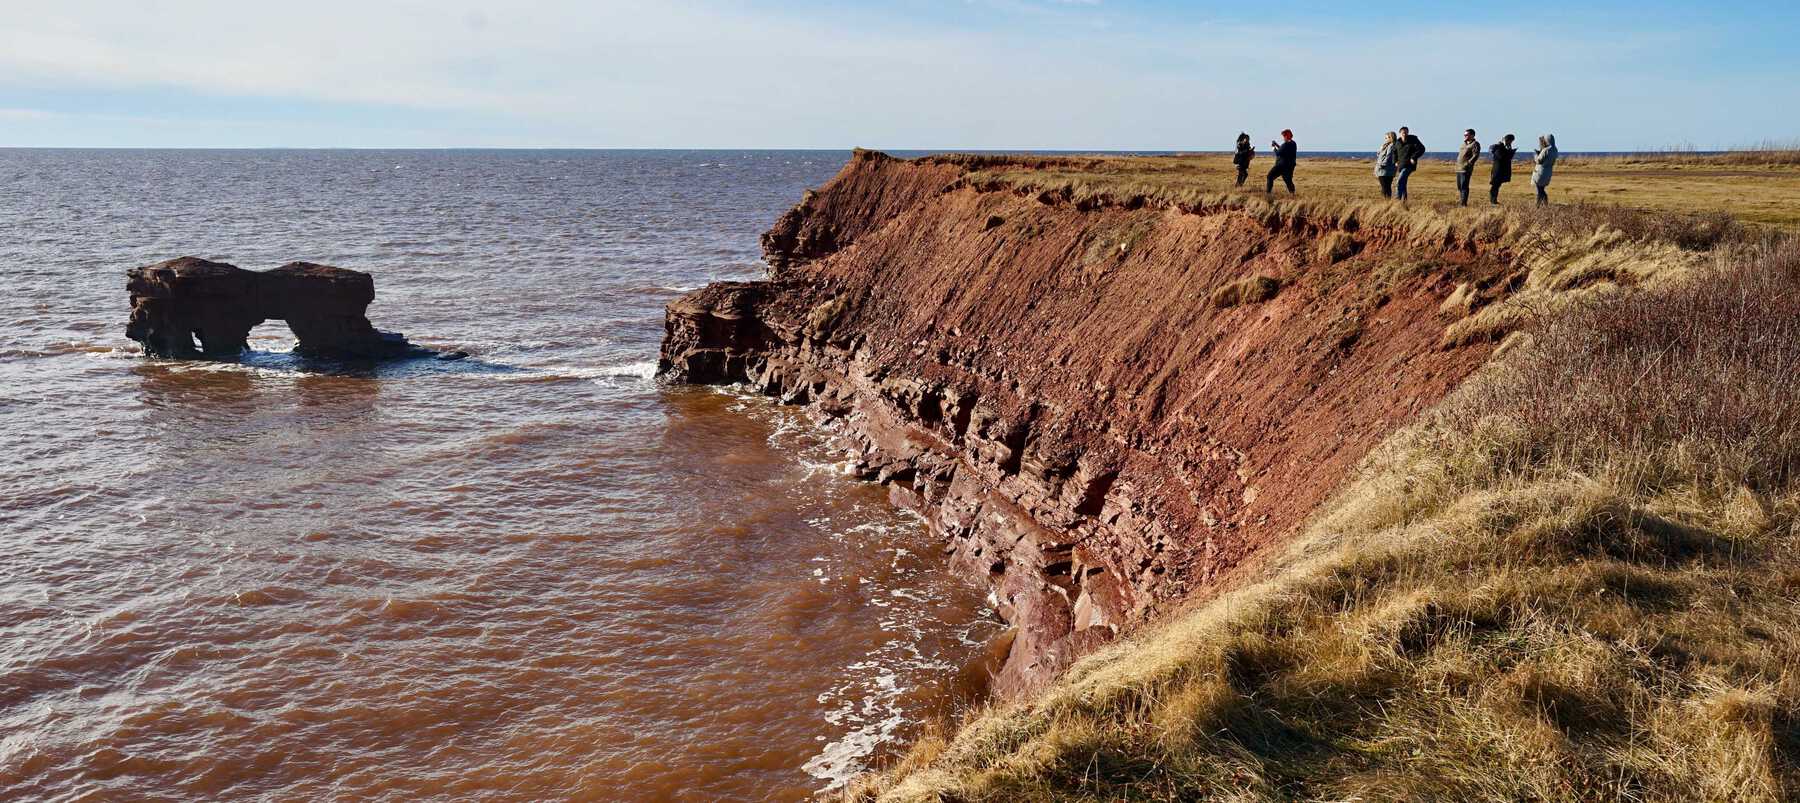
[{"x": 1545, "y": 163}]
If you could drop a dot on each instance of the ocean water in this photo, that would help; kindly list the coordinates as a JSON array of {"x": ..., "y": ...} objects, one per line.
[{"x": 532, "y": 574}]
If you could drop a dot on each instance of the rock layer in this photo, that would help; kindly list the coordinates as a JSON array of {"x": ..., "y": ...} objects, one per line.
[
  {"x": 1054, "y": 387},
  {"x": 181, "y": 301}
]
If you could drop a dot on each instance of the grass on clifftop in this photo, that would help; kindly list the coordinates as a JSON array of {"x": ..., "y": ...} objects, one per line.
[
  {"x": 1760, "y": 187},
  {"x": 1579, "y": 578},
  {"x": 1565, "y": 253}
]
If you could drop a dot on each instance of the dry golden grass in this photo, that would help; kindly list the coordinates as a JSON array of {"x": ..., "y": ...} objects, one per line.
[
  {"x": 1248, "y": 290},
  {"x": 1768, "y": 153},
  {"x": 1758, "y": 187},
  {"x": 1562, "y": 254},
  {"x": 1578, "y": 579}
]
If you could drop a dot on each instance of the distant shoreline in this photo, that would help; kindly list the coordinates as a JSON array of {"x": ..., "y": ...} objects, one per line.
[{"x": 899, "y": 152}]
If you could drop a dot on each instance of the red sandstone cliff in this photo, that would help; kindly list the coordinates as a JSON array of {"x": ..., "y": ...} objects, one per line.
[{"x": 1066, "y": 393}]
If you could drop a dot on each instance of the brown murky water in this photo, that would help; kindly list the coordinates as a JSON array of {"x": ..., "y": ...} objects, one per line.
[{"x": 533, "y": 574}]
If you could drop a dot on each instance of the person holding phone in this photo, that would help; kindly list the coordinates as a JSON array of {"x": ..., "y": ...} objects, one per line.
[
  {"x": 1501, "y": 170},
  {"x": 1242, "y": 159},
  {"x": 1544, "y": 162},
  {"x": 1286, "y": 154}
]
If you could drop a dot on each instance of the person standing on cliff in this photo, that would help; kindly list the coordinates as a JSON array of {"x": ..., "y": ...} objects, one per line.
[
  {"x": 1503, "y": 152},
  {"x": 1466, "y": 157},
  {"x": 1286, "y": 154},
  {"x": 1410, "y": 151},
  {"x": 1242, "y": 159},
  {"x": 1545, "y": 161},
  {"x": 1384, "y": 165}
]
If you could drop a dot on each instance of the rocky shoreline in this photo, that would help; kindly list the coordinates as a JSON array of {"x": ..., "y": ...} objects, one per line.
[{"x": 1072, "y": 393}]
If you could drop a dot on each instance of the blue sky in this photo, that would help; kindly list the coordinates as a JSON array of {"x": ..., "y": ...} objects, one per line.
[{"x": 1066, "y": 74}]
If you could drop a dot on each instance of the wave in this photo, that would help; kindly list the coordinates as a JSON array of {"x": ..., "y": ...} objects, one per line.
[
  {"x": 642, "y": 369},
  {"x": 63, "y": 348},
  {"x": 845, "y": 758}
]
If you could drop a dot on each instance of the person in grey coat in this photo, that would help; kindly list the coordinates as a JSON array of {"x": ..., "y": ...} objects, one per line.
[
  {"x": 1503, "y": 152},
  {"x": 1466, "y": 157},
  {"x": 1546, "y": 162},
  {"x": 1384, "y": 165}
]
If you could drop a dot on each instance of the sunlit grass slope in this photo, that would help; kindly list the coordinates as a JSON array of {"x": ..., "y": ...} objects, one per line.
[{"x": 1578, "y": 578}]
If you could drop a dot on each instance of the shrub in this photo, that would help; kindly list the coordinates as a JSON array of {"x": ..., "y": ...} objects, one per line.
[{"x": 1705, "y": 374}]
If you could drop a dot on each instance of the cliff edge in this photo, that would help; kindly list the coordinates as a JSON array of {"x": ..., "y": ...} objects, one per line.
[
  {"x": 1389, "y": 502},
  {"x": 1104, "y": 404}
]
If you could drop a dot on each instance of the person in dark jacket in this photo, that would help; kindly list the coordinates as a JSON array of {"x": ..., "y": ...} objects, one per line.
[
  {"x": 1242, "y": 159},
  {"x": 1503, "y": 152},
  {"x": 1466, "y": 157},
  {"x": 1410, "y": 150},
  {"x": 1286, "y": 154}
]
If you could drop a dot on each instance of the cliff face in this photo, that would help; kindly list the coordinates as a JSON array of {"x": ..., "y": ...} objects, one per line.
[{"x": 1103, "y": 407}]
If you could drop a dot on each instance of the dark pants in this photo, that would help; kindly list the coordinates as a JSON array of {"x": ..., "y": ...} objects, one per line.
[
  {"x": 1494, "y": 192},
  {"x": 1462, "y": 185},
  {"x": 1400, "y": 186},
  {"x": 1543, "y": 197},
  {"x": 1387, "y": 185},
  {"x": 1286, "y": 174},
  {"x": 1243, "y": 173}
]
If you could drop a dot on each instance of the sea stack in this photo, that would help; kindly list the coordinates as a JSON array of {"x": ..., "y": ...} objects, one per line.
[{"x": 180, "y": 302}]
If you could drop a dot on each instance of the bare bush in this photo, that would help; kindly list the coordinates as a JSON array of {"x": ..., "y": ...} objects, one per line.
[
  {"x": 1706, "y": 373},
  {"x": 1695, "y": 232}
]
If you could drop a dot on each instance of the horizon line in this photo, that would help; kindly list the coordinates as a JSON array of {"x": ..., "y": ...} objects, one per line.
[{"x": 1666, "y": 149}]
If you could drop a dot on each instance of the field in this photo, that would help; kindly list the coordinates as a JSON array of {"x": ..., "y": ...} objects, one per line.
[{"x": 1761, "y": 188}]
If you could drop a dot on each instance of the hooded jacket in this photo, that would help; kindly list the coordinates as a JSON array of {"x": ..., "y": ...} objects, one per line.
[
  {"x": 1244, "y": 150},
  {"x": 1546, "y": 162},
  {"x": 1384, "y": 159},
  {"x": 1503, "y": 159}
]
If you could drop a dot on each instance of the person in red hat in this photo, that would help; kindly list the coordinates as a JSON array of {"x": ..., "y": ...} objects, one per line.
[{"x": 1286, "y": 153}]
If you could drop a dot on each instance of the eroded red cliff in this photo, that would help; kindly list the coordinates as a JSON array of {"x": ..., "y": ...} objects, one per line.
[{"x": 1103, "y": 408}]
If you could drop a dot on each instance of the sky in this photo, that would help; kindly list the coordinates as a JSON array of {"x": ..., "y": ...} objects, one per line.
[{"x": 908, "y": 74}]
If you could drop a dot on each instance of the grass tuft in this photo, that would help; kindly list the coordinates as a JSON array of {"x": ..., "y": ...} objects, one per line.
[
  {"x": 1248, "y": 290},
  {"x": 1335, "y": 247}
]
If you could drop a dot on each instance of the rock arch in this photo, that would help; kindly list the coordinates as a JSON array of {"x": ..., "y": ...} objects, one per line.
[{"x": 181, "y": 301}]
